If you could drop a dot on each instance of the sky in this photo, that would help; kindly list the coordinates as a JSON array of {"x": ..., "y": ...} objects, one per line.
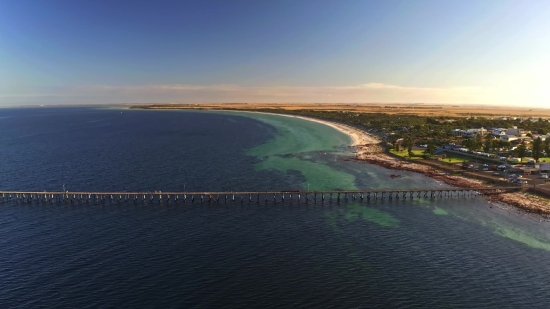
[{"x": 345, "y": 51}]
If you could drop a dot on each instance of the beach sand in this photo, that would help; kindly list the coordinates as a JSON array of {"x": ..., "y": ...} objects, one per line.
[{"x": 358, "y": 136}]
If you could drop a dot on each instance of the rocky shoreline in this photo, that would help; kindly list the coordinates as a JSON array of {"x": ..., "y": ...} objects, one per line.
[
  {"x": 521, "y": 200},
  {"x": 369, "y": 149}
]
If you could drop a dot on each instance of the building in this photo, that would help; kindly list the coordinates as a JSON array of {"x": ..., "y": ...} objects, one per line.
[
  {"x": 498, "y": 132},
  {"x": 469, "y": 133},
  {"x": 509, "y": 138},
  {"x": 514, "y": 131}
]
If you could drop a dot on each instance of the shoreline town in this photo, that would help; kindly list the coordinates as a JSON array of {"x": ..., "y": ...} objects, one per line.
[{"x": 369, "y": 150}]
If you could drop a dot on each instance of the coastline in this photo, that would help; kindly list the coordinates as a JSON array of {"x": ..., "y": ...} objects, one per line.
[
  {"x": 358, "y": 137},
  {"x": 369, "y": 150}
]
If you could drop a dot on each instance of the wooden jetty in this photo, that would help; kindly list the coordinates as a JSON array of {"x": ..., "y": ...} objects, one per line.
[{"x": 249, "y": 196}]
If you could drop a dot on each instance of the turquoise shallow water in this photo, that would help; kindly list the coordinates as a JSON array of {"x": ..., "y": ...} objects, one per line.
[
  {"x": 318, "y": 154},
  {"x": 460, "y": 253},
  {"x": 299, "y": 146}
]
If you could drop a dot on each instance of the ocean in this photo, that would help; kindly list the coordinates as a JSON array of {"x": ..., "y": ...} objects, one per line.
[{"x": 443, "y": 253}]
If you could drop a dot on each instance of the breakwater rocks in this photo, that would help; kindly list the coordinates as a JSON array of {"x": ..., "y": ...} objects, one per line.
[
  {"x": 527, "y": 202},
  {"x": 366, "y": 150},
  {"x": 386, "y": 161}
]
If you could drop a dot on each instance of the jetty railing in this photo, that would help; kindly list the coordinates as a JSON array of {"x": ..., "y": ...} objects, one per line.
[{"x": 249, "y": 196}]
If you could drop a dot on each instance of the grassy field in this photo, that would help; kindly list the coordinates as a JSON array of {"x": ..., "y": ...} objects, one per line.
[
  {"x": 453, "y": 160},
  {"x": 417, "y": 154}
]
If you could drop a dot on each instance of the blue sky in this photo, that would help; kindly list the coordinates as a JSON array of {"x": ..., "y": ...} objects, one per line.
[{"x": 61, "y": 51}]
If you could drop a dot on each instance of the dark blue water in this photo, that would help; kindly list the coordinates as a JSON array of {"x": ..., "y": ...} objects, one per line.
[
  {"x": 461, "y": 253},
  {"x": 93, "y": 149}
]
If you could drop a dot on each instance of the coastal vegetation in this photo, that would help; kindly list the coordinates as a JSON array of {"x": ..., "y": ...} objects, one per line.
[{"x": 423, "y": 129}]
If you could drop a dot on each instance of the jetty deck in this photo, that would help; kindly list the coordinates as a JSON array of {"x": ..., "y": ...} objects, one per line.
[{"x": 250, "y": 196}]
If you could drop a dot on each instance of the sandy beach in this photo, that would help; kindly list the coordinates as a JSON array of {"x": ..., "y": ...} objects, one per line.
[{"x": 358, "y": 137}]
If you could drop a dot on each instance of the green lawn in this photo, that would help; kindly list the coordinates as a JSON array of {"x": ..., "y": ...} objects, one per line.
[
  {"x": 417, "y": 154},
  {"x": 453, "y": 160},
  {"x": 545, "y": 159}
]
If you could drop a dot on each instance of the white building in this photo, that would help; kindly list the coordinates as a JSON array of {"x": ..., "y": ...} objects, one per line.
[
  {"x": 509, "y": 138},
  {"x": 469, "y": 133},
  {"x": 498, "y": 132}
]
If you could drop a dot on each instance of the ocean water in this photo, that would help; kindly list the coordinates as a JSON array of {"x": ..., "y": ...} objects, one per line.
[{"x": 461, "y": 253}]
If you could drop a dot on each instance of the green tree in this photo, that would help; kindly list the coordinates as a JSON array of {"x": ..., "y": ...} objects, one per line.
[
  {"x": 467, "y": 143},
  {"x": 537, "y": 148},
  {"x": 477, "y": 142},
  {"x": 430, "y": 150},
  {"x": 505, "y": 144},
  {"x": 547, "y": 147},
  {"x": 522, "y": 150},
  {"x": 408, "y": 143},
  {"x": 497, "y": 145},
  {"x": 488, "y": 146}
]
